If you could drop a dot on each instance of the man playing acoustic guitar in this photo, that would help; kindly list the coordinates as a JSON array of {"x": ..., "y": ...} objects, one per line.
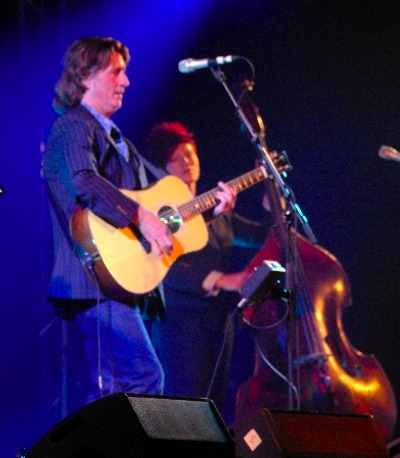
[{"x": 86, "y": 163}]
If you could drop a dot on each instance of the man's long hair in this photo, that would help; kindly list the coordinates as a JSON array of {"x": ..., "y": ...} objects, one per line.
[{"x": 84, "y": 57}]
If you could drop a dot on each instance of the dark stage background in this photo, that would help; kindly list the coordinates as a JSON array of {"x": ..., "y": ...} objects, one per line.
[{"x": 327, "y": 87}]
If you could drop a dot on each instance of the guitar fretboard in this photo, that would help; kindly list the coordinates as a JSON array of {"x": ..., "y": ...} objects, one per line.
[{"x": 209, "y": 200}]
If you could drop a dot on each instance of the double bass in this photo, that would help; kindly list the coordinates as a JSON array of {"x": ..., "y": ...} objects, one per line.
[{"x": 328, "y": 373}]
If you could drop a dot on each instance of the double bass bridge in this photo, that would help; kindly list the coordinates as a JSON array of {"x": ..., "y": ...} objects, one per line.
[{"x": 311, "y": 359}]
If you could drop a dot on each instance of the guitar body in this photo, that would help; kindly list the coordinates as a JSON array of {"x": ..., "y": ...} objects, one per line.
[
  {"x": 123, "y": 255},
  {"x": 121, "y": 261}
]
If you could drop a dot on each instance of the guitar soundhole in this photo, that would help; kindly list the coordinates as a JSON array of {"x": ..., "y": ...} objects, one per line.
[{"x": 171, "y": 218}]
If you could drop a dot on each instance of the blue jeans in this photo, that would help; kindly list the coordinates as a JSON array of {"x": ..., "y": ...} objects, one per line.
[{"x": 120, "y": 354}]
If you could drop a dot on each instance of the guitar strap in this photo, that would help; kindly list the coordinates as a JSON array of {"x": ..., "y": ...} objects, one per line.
[{"x": 155, "y": 171}]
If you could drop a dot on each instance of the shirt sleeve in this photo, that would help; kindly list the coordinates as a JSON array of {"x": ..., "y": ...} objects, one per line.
[{"x": 210, "y": 281}]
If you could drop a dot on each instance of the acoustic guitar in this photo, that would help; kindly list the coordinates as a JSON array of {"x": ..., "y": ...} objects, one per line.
[{"x": 121, "y": 258}]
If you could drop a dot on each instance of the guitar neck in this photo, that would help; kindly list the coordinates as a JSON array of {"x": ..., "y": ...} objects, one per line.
[{"x": 208, "y": 200}]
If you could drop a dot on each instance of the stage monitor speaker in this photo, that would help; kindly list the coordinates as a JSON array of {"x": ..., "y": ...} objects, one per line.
[
  {"x": 128, "y": 425},
  {"x": 276, "y": 434}
]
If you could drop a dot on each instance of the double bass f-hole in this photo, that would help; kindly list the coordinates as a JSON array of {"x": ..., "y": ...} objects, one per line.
[{"x": 354, "y": 371}]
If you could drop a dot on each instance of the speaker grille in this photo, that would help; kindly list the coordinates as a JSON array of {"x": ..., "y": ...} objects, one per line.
[
  {"x": 282, "y": 434},
  {"x": 179, "y": 419}
]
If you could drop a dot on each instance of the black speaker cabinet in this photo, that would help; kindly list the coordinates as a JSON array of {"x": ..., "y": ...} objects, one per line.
[
  {"x": 276, "y": 434},
  {"x": 127, "y": 425}
]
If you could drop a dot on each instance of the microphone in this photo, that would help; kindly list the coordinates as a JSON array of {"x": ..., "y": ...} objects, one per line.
[
  {"x": 191, "y": 65},
  {"x": 389, "y": 153}
]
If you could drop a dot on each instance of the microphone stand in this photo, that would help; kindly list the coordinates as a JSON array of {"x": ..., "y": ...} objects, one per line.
[{"x": 292, "y": 212}]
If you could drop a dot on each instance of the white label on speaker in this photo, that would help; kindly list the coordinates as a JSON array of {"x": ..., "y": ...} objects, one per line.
[{"x": 252, "y": 439}]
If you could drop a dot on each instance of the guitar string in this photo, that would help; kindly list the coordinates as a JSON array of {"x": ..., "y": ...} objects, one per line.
[{"x": 207, "y": 200}]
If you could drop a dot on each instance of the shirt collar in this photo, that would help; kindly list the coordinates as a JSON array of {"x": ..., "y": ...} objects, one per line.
[{"x": 104, "y": 121}]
